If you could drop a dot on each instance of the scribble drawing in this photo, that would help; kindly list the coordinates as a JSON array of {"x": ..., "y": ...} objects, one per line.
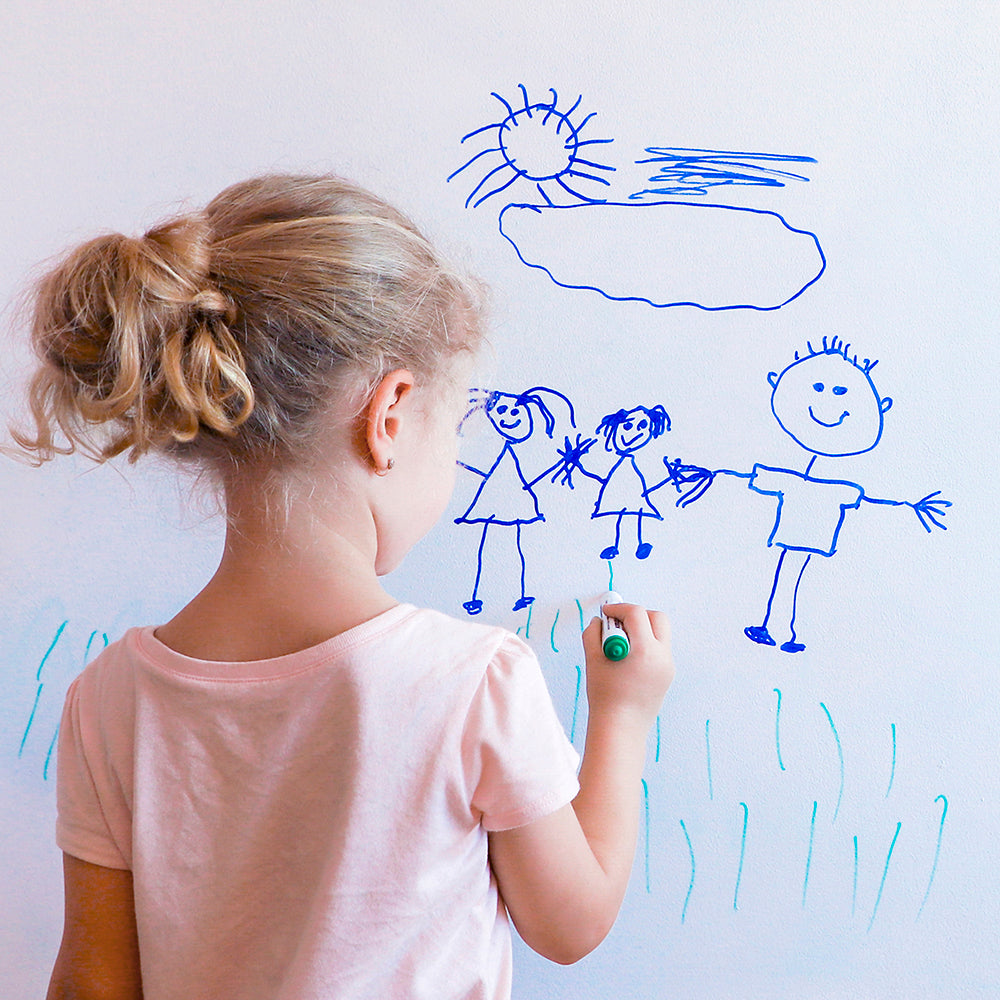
[
  {"x": 624, "y": 490},
  {"x": 506, "y": 497},
  {"x": 826, "y": 402},
  {"x": 573, "y": 217},
  {"x": 539, "y": 144}
]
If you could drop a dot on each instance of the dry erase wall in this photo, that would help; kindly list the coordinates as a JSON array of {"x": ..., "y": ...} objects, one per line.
[{"x": 743, "y": 261}]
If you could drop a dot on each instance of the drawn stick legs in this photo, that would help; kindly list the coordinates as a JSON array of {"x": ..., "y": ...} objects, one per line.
[
  {"x": 474, "y": 605},
  {"x": 784, "y": 595}
]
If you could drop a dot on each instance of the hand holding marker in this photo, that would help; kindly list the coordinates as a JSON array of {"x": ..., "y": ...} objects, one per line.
[{"x": 614, "y": 639}]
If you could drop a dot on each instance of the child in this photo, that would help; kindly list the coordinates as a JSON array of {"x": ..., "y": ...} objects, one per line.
[{"x": 298, "y": 787}]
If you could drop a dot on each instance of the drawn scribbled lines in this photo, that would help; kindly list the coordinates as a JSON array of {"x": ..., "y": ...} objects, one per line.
[{"x": 937, "y": 852}]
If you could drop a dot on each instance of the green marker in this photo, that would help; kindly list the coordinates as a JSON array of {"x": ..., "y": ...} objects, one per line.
[{"x": 613, "y": 637}]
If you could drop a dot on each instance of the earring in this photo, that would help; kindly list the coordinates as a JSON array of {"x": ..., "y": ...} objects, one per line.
[{"x": 388, "y": 465}]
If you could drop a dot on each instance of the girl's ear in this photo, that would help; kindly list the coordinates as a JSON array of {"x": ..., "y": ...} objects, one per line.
[{"x": 384, "y": 415}]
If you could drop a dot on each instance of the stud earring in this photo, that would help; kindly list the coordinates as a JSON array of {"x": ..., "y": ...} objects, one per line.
[{"x": 388, "y": 465}]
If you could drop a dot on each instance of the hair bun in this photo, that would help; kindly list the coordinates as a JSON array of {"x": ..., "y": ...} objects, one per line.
[{"x": 134, "y": 335}]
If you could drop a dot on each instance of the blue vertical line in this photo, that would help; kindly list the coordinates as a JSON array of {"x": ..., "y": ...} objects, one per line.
[
  {"x": 576, "y": 704},
  {"x": 777, "y": 730},
  {"x": 690, "y": 889},
  {"x": 579, "y": 607},
  {"x": 645, "y": 804},
  {"x": 552, "y": 634},
  {"x": 611, "y": 576},
  {"x": 892, "y": 772},
  {"x": 743, "y": 850},
  {"x": 656, "y": 759},
  {"x": 885, "y": 872},
  {"x": 937, "y": 852},
  {"x": 708, "y": 760},
  {"x": 854, "y": 889},
  {"x": 41, "y": 684},
  {"x": 527, "y": 624},
  {"x": 840, "y": 756},
  {"x": 809, "y": 855},
  {"x": 48, "y": 756}
]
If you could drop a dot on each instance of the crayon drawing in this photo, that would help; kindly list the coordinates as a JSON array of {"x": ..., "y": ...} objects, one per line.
[{"x": 569, "y": 214}]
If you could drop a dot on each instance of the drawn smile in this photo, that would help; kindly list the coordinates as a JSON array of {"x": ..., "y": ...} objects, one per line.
[
  {"x": 628, "y": 442},
  {"x": 511, "y": 425},
  {"x": 836, "y": 422}
]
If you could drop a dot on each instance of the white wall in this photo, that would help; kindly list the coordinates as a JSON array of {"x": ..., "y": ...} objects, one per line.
[{"x": 113, "y": 114}]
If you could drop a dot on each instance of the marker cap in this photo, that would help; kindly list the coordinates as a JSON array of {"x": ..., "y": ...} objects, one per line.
[{"x": 616, "y": 647}]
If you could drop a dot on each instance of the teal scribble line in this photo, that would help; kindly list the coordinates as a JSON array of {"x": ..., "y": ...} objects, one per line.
[
  {"x": 656, "y": 758},
  {"x": 690, "y": 888},
  {"x": 527, "y": 624},
  {"x": 552, "y": 634},
  {"x": 854, "y": 889},
  {"x": 885, "y": 872},
  {"x": 840, "y": 756},
  {"x": 809, "y": 855},
  {"x": 937, "y": 852},
  {"x": 579, "y": 607},
  {"x": 708, "y": 760},
  {"x": 777, "y": 730},
  {"x": 892, "y": 772},
  {"x": 576, "y": 703},
  {"x": 48, "y": 755},
  {"x": 645, "y": 803},
  {"x": 743, "y": 850},
  {"x": 41, "y": 684},
  {"x": 611, "y": 575}
]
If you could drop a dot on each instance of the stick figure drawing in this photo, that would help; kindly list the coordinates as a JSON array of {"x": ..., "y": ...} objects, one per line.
[
  {"x": 624, "y": 491},
  {"x": 827, "y": 402},
  {"x": 505, "y": 496}
]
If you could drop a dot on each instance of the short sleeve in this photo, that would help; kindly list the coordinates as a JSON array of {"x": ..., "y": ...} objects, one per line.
[
  {"x": 521, "y": 764},
  {"x": 92, "y": 823}
]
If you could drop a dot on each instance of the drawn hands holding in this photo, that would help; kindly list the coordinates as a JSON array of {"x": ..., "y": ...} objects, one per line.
[
  {"x": 570, "y": 455},
  {"x": 690, "y": 481}
]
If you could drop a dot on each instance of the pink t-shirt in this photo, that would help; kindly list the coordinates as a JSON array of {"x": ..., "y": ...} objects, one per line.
[{"x": 314, "y": 825}]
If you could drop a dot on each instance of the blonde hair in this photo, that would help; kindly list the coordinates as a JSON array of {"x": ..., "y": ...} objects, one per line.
[{"x": 221, "y": 336}]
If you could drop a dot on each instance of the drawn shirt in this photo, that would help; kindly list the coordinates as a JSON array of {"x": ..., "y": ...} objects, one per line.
[
  {"x": 810, "y": 511},
  {"x": 624, "y": 491},
  {"x": 504, "y": 496},
  {"x": 314, "y": 825}
]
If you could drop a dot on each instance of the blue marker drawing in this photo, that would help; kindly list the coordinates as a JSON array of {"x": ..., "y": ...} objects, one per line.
[
  {"x": 809, "y": 854},
  {"x": 537, "y": 144},
  {"x": 827, "y": 403},
  {"x": 743, "y": 851},
  {"x": 645, "y": 809},
  {"x": 690, "y": 888},
  {"x": 840, "y": 757},
  {"x": 41, "y": 685},
  {"x": 937, "y": 852},
  {"x": 505, "y": 497},
  {"x": 567, "y": 213},
  {"x": 624, "y": 491},
  {"x": 777, "y": 730},
  {"x": 892, "y": 772},
  {"x": 695, "y": 171},
  {"x": 885, "y": 872}
]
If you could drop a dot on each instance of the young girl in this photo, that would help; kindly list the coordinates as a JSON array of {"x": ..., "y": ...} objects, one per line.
[{"x": 298, "y": 787}]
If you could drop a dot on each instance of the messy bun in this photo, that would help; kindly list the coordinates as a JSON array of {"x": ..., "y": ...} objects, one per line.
[{"x": 224, "y": 334}]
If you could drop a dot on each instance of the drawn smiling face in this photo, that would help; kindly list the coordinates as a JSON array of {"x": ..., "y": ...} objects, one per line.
[
  {"x": 828, "y": 405},
  {"x": 633, "y": 432},
  {"x": 511, "y": 417}
]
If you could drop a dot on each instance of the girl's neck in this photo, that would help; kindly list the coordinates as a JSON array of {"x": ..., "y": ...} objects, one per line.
[{"x": 282, "y": 585}]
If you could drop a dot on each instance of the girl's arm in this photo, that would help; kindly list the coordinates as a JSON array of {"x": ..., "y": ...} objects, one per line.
[
  {"x": 99, "y": 955},
  {"x": 563, "y": 877}
]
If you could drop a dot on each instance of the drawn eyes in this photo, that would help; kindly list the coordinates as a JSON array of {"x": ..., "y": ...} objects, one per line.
[
  {"x": 631, "y": 424},
  {"x": 503, "y": 408},
  {"x": 838, "y": 390}
]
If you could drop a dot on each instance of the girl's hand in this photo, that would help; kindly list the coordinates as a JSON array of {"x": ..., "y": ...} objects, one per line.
[{"x": 638, "y": 683}]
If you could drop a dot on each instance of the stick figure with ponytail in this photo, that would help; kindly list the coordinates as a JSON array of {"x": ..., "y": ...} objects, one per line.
[{"x": 505, "y": 496}]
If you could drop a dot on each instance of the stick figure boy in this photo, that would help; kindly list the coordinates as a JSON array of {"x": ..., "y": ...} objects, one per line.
[{"x": 826, "y": 402}]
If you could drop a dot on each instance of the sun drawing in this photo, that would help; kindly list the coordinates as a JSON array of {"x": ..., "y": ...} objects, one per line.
[{"x": 539, "y": 144}]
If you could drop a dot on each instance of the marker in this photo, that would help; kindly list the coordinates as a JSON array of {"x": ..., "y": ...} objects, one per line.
[{"x": 613, "y": 637}]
